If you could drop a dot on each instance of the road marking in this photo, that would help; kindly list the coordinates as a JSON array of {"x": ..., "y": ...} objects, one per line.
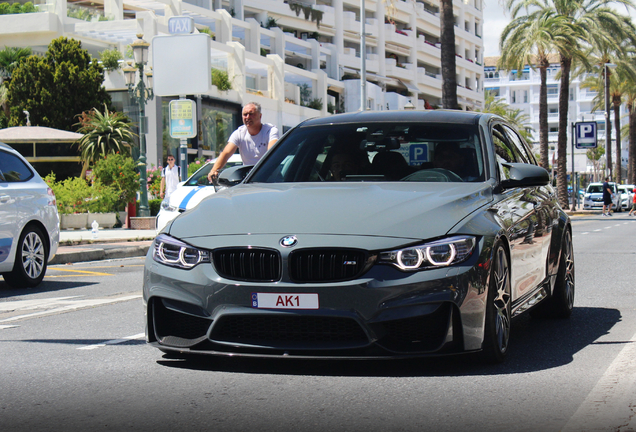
[
  {"x": 63, "y": 269},
  {"x": 57, "y": 305},
  {"x": 2, "y": 327},
  {"x": 611, "y": 401},
  {"x": 597, "y": 230},
  {"x": 113, "y": 342}
]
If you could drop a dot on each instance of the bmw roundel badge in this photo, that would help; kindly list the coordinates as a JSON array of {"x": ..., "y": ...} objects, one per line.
[{"x": 288, "y": 241}]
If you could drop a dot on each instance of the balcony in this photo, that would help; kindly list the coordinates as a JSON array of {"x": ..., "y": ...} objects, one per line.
[{"x": 398, "y": 37}]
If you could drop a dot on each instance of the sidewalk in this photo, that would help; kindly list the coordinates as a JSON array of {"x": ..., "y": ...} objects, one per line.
[{"x": 79, "y": 245}]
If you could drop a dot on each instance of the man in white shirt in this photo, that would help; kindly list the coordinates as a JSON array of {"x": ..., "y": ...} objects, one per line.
[
  {"x": 170, "y": 178},
  {"x": 253, "y": 139}
]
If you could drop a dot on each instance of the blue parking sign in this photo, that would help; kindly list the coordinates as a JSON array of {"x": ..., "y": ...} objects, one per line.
[
  {"x": 418, "y": 154},
  {"x": 585, "y": 135}
]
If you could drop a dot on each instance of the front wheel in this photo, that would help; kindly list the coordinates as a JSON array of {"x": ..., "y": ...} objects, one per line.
[
  {"x": 30, "y": 260},
  {"x": 498, "y": 310}
]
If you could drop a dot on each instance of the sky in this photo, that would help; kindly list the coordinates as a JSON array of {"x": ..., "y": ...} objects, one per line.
[{"x": 494, "y": 22}]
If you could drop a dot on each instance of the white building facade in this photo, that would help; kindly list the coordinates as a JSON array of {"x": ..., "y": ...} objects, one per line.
[
  {"x": 297, "y": 58},
  {"x": 522, "y": 92}
]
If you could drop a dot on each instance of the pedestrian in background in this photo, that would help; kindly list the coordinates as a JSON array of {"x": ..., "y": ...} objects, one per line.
[
  {"x": 633, "y": 210},
  {"x": 253, "y": 139},
  {"x": 607, "y": 197},
  {"x": 170, "y": 177}
]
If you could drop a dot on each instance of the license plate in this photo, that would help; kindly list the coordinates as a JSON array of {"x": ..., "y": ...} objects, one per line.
[{"x": 284, "y": 301}]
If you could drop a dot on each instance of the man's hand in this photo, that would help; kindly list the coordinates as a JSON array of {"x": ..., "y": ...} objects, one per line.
[{"x": 213, "y": 175}]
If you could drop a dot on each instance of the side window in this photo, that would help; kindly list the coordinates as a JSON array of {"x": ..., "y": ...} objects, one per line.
[
  {"x": 503, "y": 152},
  {"x": 520, "y": 148},
  {"x": 13, "y": 169}
]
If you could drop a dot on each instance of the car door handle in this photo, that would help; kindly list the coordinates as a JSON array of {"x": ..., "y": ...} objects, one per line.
[{"x": 4, "y": 198}]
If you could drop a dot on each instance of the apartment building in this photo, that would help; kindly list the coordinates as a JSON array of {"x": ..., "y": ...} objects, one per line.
[
  {"x": 521, "y": 91},
  {"x": 297, "y": 58}
]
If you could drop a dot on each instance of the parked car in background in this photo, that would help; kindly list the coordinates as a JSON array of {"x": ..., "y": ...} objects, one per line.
[
  {"x": 626, "y": 196},
  {"x": 29, "y": 222},
  {"x": 370, "y": 234},
  {"x": 593, "y": 198},
  {"x": 190, "y": 192}
]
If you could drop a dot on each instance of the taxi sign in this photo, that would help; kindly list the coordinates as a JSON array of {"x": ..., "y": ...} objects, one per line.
[{"x": 180, "y": 25}]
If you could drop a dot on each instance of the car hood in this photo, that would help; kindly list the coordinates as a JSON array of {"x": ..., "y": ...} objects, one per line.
[
  {"x": 405, "y": 210},
  {"x": 186, "y": 197}
]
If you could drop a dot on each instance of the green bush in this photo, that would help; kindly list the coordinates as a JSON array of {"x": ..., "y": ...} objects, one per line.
[
  {"x": 110, "y": 59},
  {"x": 118, "y": 171},
  {"x": 153, "y": 179},
  {"x": 220, "y": 79},
  {"x": 194, "y": 166},
  {"x": 28, "y": 7},
  {"x": 153, "y": 206},
  {"x": 16, "y": 8},
  {"x": 76, "y": 195},
  {"x": 5, "y": 8}
]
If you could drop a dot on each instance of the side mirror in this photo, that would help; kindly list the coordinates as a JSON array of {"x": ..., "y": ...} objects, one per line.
[
  {"x": 525, "y": 175},
  {"x": 234, "y": 175}
]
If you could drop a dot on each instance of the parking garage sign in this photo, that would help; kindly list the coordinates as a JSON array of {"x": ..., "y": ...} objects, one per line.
[{"x": 585, "y": 135}]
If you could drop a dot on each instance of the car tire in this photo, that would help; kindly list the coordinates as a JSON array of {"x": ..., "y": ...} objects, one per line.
[
  {"x": 498, "y": 309},
  {"x": 561, "y": 303},
  {"x": 30, "y": 259}
]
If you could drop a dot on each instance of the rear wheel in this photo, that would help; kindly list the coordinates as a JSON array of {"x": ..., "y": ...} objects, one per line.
[
  {"x": 561, "y": 303},
  {"x": 30, "y": 260},
  {"x": 498, "y": 311}
]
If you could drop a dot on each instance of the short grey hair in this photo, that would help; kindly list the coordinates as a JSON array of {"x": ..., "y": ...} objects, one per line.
[{"x": 256, "y": 104}]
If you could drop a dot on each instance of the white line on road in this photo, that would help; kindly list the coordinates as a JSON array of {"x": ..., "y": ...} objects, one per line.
[
  {"x": 113, "y": 342},
  {"x": 68, "y": 305},
  {"x": 611, "y": 401},
  {"x": 2, "y": 327}
]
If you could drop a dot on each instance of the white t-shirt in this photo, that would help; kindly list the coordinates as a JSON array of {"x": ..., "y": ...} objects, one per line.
[
  {"x": 171, "y": 178},
  {"x": 253, "y": 147}
]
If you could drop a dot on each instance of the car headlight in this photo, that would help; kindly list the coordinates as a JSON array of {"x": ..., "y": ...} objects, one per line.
[
  {"x": 587, "y": 196},
  {"x": 165, "y": 205},
  {"x": 175, "y": 253},
  {"x": 439, "y": 253}
]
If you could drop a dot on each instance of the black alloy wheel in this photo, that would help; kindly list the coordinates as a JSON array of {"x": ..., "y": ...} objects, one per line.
[{"x": 498, "y": 309}]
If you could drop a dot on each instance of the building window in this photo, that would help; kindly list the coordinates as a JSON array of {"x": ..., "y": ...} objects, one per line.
[{"x": 525, "y": 96}]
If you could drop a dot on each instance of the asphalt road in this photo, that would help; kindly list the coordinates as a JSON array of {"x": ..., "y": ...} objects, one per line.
[{"x": 73, "y": 357}]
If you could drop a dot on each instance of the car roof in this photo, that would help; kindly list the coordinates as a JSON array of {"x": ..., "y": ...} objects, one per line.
[{"x": 419, "y": 116}]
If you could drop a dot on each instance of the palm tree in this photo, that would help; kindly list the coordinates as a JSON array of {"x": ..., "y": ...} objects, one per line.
[
  {"x": 447, "y": 42},
  {"x": 107, "y": 132},
  {"x": 629, "y": 91},
  {"x": 620, "y": 81},
  {"x": 529, "y": 40},
  {"x": 595, "y": 24}
]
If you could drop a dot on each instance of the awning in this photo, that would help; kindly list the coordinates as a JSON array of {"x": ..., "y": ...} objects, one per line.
[{"x": 410, "y": 87}]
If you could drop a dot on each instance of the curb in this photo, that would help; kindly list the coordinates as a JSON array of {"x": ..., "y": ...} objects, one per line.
[{"x": 99, "y": 254}]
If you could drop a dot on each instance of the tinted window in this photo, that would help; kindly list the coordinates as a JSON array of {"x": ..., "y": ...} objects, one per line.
[
  {"x": 520, "y": 149},
  {"x": 376, "y": 152},
  {"x": 13, "y": 169}
]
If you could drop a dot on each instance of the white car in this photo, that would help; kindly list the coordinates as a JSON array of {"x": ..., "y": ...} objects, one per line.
[
  {"x": 190, "y": 192},
  {"x": 593, "y": 198},
  {"x": 627, "y": 196},
  {"x": 29, "y": 223}
]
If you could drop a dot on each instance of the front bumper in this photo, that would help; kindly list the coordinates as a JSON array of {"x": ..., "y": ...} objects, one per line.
[{"x": 384, "y": 313}]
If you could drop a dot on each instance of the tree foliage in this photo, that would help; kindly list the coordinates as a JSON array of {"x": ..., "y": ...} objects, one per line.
[
  {"x": 118, "y": 171},
  {"x": 56, "y": 87},
  {"x": 516, "y": 117},
  {"x": 104, "y": 133}
]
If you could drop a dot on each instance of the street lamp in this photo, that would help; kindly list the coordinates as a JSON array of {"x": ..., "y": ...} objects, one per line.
[
  {"x": 608, "y": 125},
  {"x": 409, "y": 105},
  {"x": 141, "y": 93}
]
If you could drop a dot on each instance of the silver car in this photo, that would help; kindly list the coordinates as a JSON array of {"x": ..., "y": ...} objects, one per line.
[
  {"x": 593, "y": 198},
  {"x": 375, "y": 234},
  {"x": 29, "y": 222}
]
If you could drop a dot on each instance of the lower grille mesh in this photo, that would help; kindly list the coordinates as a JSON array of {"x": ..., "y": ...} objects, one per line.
[{"x": 283, "y": 329}]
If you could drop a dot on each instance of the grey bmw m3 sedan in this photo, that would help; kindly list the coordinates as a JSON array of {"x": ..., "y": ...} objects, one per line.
[{"x": 366, "y": 235}]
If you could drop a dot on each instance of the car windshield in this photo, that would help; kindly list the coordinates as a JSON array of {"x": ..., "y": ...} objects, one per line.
[
  {"x": 200, "y": 178},
  {"x": 595, "y": 189},
  {"x": 376, "y": 152}
]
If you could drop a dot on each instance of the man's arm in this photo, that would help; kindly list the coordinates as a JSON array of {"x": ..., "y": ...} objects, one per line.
[
  {"x": 225, "y": 155},
  {"x": 271, "y": 143},
  {"x": 161, "y": 188}
]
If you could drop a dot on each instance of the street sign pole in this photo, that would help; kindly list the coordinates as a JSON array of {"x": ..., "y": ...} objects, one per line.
[
  {"x": 573, "y": 174},
  {"x": 183, "y": 121}
]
